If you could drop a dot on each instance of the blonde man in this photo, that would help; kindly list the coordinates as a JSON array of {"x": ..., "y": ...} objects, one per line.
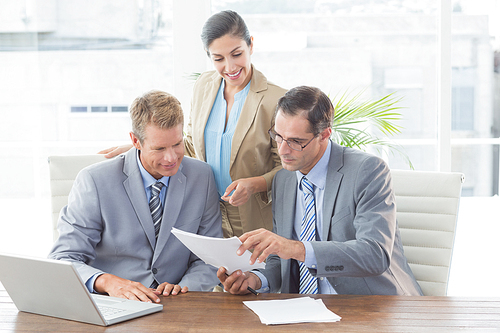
[{"x": 116, "y": 226}]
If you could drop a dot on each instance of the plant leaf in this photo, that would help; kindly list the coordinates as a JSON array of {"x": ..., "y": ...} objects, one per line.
[{"x": 355, "y": 116}]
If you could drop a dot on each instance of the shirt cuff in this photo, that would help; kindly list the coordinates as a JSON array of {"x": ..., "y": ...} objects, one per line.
[
  {"x": 90, "y": 282},
  {"x": 310, "y": 259},
  {"x": 264, "y": 285}
]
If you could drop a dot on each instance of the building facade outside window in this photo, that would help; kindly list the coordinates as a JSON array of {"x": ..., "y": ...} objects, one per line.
[{"x": 70, "y": 69}]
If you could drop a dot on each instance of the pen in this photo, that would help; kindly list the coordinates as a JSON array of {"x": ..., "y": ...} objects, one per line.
[{"x": 250, "y": 289}]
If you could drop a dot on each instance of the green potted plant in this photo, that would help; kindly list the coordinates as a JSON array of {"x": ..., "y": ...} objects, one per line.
[{"x": 354, "y": 116}]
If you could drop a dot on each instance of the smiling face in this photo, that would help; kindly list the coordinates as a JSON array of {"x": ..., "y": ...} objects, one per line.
[
  {"x": 161, "y": 151},
  {"x": 231, "y": 58}
]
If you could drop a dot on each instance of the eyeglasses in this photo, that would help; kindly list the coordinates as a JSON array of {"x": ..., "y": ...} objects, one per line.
[{"x": 292, "y": 144}]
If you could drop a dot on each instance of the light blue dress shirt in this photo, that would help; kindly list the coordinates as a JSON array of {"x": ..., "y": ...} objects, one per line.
[
  {"x": 218, "y": 138},
  {"x": 317, "y": 176},
  {"x": 147, "y": 181}
]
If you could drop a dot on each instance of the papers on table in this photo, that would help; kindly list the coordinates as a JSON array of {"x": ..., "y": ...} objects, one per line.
[
  {"x": 295, "y": 310},
  {"x": 218, "y": 252}
]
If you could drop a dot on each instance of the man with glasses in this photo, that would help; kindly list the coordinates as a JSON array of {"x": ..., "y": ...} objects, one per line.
[{"x": 335, "y": 228}]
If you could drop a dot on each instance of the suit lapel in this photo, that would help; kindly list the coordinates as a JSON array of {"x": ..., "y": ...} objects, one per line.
[
  {"x": 286, "y": 225},
  {"x": 171, "y": 209},
  {"x": 289, "y": 201},
  {"x": 247, "y": 116},
  {"x": 134, "y": 187},
  {"x": 333, "y": 180},
  {"x": 200, "y": 122}
]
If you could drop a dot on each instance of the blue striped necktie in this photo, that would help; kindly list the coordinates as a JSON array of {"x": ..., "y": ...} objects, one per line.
[
  {"x": 308, "y": 283},
  {"x": 155, "y": 206}
]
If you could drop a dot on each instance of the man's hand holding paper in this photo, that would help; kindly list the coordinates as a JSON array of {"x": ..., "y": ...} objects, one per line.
[
  {"x": 218, "y": 252},
  {"x": 238, "y": 282},
  {"x": 265, "y": 242}
]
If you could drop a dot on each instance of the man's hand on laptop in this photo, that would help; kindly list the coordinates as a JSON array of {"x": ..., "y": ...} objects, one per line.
[
  {"x": 117, "y": 287},
  {"x": 166, "y": 289}
]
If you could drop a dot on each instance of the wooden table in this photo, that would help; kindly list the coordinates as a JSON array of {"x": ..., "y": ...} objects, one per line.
[{"x": 222, "y": 312}]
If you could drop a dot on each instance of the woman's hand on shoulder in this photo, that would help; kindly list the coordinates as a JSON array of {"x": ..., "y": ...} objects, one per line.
[{"x": 115, "y": 151}]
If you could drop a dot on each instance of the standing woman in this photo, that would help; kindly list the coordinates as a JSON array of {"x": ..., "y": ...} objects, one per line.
[{"x": 231, "y": 112}]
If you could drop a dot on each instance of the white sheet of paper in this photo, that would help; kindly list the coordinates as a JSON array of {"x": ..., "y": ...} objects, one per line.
[
  {"x": 289, "y": 311},
  {"x": 218, "y": 252}
]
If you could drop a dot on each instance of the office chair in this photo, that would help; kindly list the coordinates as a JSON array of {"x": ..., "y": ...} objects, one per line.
[
  {"x": 63, "y": 171},
  {"x": 427, "y": 210}
]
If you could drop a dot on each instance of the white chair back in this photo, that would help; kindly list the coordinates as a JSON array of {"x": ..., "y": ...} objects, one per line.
[
  {"x": 63, "y": 171},
  {"x": 427, "y": 210}
]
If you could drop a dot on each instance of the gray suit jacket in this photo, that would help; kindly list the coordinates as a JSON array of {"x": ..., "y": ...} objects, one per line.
[
  {"x": 363, "y": 253},
  {"x": 107, "y": 226}
]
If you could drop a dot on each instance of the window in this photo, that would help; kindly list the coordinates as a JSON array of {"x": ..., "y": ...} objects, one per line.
[
  {"x": 70, "y": 70},
  {"x": 119, "y": 108},
  {"x": 78, "y": 109},
  {"x": 99, "y": 109},
  {"x": 462, "y": 111}
]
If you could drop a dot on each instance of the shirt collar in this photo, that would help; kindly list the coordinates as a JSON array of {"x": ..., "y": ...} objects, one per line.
[
  {"x": 317, "y": 175},
  {"x": 147, "y": 179},
  {"x": 240, "y": 94}
]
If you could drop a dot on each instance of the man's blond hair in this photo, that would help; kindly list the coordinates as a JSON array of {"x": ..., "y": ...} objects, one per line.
[{"x": 157, "y": 108}]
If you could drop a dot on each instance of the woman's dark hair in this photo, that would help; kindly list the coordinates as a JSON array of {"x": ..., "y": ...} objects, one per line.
[
  {"x": 310, "y": 102},
  {"x": 224, "y": 23}
]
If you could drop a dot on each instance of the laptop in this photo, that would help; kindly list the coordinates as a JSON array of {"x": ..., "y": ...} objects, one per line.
[{"x": 54, "y": 288}]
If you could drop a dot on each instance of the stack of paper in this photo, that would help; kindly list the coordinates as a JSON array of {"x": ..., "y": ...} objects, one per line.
[{"x": 289, "y": 311}]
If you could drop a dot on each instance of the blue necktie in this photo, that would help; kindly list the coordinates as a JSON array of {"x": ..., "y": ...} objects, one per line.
[
  {"x": 155, "y": 206},
  {"x": 308, "y": 283},
  {"x": 156, "y": 213}
]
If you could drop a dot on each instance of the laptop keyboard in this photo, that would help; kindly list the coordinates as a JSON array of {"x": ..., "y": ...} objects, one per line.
[{"x": 108, "y": 311}]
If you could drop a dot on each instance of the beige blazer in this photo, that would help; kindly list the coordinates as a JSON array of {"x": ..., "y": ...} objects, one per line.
[{"x": 253, "y": 153}]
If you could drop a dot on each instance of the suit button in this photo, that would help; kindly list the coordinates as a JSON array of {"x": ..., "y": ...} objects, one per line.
[
  {"x": 154, "y": 271},
  {"x": 341, "y": 268},
  {"x": 327, "y": 268}
]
